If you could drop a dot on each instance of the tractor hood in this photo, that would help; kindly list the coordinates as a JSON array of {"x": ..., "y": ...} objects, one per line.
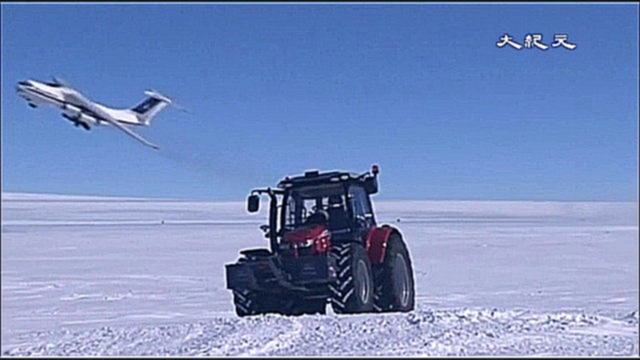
[{"x": 304, "y": 234}]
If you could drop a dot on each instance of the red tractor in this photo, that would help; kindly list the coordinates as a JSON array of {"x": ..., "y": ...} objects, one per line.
[{"x": 325, "y": 246}]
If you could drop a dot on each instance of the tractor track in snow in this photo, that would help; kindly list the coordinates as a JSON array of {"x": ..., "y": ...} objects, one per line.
[{"x": 479, "y": 332}]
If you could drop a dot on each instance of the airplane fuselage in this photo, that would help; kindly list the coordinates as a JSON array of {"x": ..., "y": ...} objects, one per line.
[{"x": 73, "y": 104}]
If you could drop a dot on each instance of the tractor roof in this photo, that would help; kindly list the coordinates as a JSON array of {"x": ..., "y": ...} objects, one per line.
[{"x": 314, "y": 178}]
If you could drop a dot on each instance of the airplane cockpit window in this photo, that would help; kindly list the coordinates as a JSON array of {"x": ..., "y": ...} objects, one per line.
[{"x": 52, "y": 84}]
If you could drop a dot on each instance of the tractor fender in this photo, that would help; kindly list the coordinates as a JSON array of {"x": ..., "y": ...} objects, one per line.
[{"x": 376, "y": 243}]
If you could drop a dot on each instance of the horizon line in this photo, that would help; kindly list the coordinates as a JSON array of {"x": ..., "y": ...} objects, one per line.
[{"x": 25, "y": 196}]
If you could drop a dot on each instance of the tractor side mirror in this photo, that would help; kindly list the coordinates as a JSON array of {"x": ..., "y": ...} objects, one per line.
[
  {"x": 265, "y": 230},
  {"x": 371, "y": 185},
  {"x": 253, "y": 203}
]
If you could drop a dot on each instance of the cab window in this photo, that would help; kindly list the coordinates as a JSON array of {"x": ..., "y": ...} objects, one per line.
[{"x": 360, "y": 202}]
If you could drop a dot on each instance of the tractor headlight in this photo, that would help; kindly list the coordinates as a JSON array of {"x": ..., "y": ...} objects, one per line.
[{"x": 307, "y": 243}]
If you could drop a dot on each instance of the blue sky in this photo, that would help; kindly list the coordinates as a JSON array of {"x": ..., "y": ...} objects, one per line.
[{"x": 277, "y": 89}]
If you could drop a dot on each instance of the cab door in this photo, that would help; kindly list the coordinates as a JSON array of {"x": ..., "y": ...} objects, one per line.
[{"x": 361, "y": 211}]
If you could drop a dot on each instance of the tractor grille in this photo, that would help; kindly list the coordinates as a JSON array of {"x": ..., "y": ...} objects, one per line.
[{"x": 307, "y": 268}]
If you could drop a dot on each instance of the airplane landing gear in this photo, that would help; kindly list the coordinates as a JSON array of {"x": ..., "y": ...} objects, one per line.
[{"x": 84, "y": 125}]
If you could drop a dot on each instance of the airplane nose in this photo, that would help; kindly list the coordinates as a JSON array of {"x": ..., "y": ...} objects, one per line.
[{"x": 22, "y": 86}]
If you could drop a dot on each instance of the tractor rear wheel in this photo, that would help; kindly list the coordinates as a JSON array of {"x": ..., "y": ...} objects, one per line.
[
  {"x": 394, "y": 283},
  {"x": 353, "y": 291}
]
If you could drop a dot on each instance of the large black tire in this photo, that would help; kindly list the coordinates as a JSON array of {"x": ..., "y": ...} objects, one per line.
[
  {"x": 353, "y": 291},
  {"x": 249, "y": 303},
  {"x": 394, "y": 283}
]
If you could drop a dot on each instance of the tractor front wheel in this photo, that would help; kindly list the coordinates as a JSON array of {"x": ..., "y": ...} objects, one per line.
[
  {"x": 353, "y": 290},
  {"x": 249, "y": 303}
]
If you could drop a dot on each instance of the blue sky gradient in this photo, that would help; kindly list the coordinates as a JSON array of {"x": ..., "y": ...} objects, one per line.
[{"x": 277, "y": 89}]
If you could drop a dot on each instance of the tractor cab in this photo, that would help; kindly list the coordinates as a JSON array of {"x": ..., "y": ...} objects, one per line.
[{"x": 316, "y": 207}]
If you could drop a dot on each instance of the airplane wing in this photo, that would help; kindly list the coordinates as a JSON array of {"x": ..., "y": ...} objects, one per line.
[
  {"x": 129, "y": 131},
  {"x": 86, "y": 103}
]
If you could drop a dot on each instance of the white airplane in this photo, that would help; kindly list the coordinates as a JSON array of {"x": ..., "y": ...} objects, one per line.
[{"x": 86, "y": 113}]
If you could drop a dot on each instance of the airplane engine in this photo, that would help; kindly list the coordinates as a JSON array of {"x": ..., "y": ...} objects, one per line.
[
  {"x": 72, "y": 111},
  {"x": 75, "y": 114},
  {"x": 88, "y": 119}
]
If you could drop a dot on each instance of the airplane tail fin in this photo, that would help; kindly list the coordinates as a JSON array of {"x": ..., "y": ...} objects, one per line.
[{"x": 151, "y": 106}]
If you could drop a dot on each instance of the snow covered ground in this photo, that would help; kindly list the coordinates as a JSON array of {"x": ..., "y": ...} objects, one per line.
[{"x": 92, "y": 276}]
